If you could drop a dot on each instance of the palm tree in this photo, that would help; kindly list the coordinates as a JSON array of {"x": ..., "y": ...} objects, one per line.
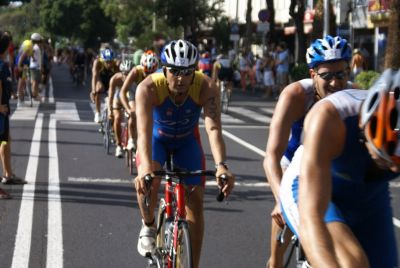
[
  {"x": 300, "y": 45},
  {"x": 247, "y": 40},
  {"x": 392, "y": 57}
]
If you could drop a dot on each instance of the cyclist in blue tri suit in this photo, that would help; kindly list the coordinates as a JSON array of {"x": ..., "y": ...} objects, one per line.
[
  {"x": 168, "y": 108},
  {"x": 103, "y": 69},
  {"x": 324, "y": 56},
  {"x": 335, "y": 193}
]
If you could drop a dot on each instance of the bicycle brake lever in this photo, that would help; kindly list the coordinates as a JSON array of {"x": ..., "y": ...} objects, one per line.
[
  {"x": 220, "y": 195},
  {"x": 147, "y": 180}
]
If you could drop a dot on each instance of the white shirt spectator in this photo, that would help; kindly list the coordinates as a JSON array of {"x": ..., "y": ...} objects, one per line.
[{"x": 36, "y": 59}]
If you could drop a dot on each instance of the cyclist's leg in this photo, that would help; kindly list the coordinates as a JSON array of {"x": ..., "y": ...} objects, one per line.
[
  {"x": 148, "y": 232},
  {"x": 191, "y": 156},
  {"x": 132, "y": 122},
  {"x": 100, "y": 87},
  {"x": 347, "y": 248},
  {"x": 117, "y": 112},
  {"x": 277, "y": 249}
]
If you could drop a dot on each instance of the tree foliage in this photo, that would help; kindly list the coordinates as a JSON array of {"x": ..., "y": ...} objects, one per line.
[{"x": 392, "y": 57}]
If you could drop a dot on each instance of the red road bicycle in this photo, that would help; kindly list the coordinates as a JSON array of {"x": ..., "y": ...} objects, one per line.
[{"x": 173, "y": 247}]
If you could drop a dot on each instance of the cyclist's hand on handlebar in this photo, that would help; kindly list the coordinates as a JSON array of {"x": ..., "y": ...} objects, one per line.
[
  {"x": 225, "y": 180},
  {"x": 276, "y": 214},
  {"x": 142, "y": 183}
]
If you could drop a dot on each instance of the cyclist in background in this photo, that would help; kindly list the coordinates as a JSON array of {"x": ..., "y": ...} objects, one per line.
[
  {"x": 223, "y": 71},
  {"x": 103, "y": 69},
  {"x": 115, "y": 108},
  {"x": 335, "y": 195},
  {"x": 36, "y": 64},
  {"x": 205, "y": 64},
  {"x": 148, "y": 65},
  {"x": 328, "y": 61},
  {"x": 168, "y": 108},
  {"x": 22, "y": 67}
]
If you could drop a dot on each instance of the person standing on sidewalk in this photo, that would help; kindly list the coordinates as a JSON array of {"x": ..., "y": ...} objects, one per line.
[{"x": 5, "y": 93}]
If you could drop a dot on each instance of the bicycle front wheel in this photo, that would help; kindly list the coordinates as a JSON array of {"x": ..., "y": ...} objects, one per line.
[{"x": 182, "y": 257}]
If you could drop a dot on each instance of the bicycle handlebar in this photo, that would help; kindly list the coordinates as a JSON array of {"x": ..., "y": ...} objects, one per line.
[{"x": 184, "y": 173}]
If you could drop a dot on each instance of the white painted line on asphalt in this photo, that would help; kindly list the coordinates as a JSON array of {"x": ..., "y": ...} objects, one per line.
[
  {"x": 396, "y": 222},
  {"x": 80, "y": 123},
  {"x": 25, "y": 113},
  {"x": 51, "y": 90},
  {"x": 54, "y": 223},
  {"x": 243, "y": 143},
  {"x": 227, "y": 119},
  {"x": 125, "y": 181},
  {"x": 66, "y": 111},
  {"x": 99, "y": 180},
  {"x": 23, "y": 237},
  {"x": 251, "y": 114},
  {"x": 268, "y": 110}
]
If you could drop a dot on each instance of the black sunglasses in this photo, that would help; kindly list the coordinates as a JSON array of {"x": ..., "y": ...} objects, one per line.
[
  {"x": 329, "y": 75},
  {"x": 180, "y": 72}
]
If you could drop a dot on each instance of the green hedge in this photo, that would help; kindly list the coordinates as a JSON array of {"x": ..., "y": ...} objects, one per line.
[
  {"x": 365, "y": 79},
  {"x": 300, "y": 71}
]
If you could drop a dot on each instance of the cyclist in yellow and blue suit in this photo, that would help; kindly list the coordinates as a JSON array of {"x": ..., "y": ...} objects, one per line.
[
  {"x": 168, "y": 108},
  {"x": 103, "y": 69}
]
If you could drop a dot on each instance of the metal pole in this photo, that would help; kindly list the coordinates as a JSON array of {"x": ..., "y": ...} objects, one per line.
[
  {"x": 376, "y": 49},
  {"x": 326, "y": 17}
]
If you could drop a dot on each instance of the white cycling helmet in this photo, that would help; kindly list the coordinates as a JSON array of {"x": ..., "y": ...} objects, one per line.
[
  {"x": 36, "y": 37},
  {"x": 180, "y": 54},
  {"x": 380, "y": 116},
  {"x": 126, "y": 66}
]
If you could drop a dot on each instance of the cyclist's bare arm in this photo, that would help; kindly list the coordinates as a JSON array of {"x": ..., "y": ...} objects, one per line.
[
  {"x": 290, "y": 107},
  {"x": 210, "y": 99},
  {"x": 216, "y": 68},
  {"x": 315, "y": 184},
  {"x": 95, "y": 74},
  {"x": 21, "y": 60},
  {"x": 145, "y": 100},
  {"x": 115, "y": 81},
  {"x": 130, "y": 79}
]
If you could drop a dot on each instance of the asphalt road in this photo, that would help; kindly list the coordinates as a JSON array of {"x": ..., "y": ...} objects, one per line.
[{"x": 79, "y": 208}]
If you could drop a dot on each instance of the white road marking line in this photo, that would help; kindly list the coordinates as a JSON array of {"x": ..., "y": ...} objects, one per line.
[
  {"x": 241, "y": 126},
  {"x": 54, "y": 223},
  {"x": 66, "y": 111},
  {"x": 227, "y": 119},
  {"x": 51, "y": 91},
  {"x": 244, "y": 143},
  {"x": 23, "y": 238},
  {"x": 80, "y": 123},
  {"x": 396, "y": 222},
  {"x": 125, "y": 181},
  {"x": 25, "y": 113},
  {"x": 268, "y": 110},
  {"x": 251, "y": 114}
]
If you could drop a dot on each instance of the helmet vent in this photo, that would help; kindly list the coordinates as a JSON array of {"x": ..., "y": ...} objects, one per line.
[
  {"x": 372, "y": 126},
  {"x": 373, "y": 101},
  {"x": 393, "y": 118},
  {"x": 396, "y": 93},
  {"x": 391, "y": 146}
]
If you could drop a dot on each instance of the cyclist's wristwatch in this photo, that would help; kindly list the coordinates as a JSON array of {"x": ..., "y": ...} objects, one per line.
[{"x": 221, "y": 164}]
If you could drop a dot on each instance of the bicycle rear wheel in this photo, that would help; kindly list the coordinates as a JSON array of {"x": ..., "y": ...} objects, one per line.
[{"x": 182, "y": 256}]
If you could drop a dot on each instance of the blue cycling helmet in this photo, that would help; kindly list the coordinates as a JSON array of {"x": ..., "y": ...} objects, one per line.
[
  {"x": 328, "y": 49},
  {"x": 107, "y": 54}
]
